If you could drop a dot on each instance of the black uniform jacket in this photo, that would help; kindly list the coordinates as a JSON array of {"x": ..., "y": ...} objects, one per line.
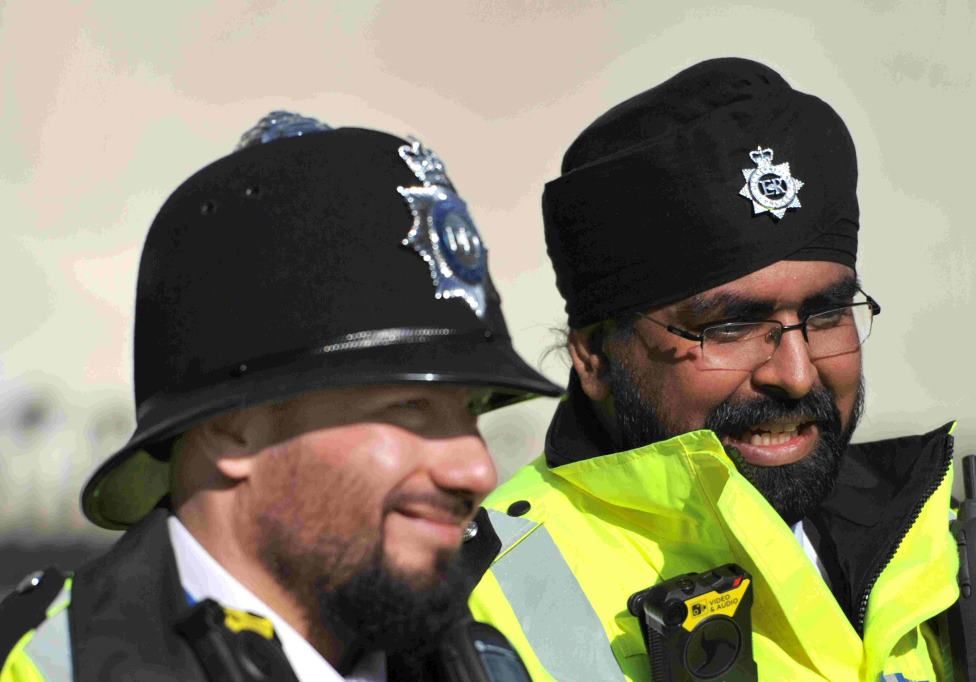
[
  {"x": 125, "y": 606},
  {"x": 123, "y": 611}
]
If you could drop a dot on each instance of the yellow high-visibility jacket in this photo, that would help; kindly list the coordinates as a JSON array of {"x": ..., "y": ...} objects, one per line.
[{"x": 578, "y": 538}]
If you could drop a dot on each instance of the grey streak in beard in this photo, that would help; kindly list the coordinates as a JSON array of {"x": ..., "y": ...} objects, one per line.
[{"x": 793, "y": 490}]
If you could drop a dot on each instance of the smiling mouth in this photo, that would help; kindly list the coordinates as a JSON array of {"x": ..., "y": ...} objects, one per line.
[
  {"x": 775, "y": 443},
  {"x": 774, "y": 433},
  {"x": 432, "y": 514},
  {"x": 428, "y": 528}
]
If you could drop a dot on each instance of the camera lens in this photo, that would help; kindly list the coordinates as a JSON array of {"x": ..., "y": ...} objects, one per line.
[
  {"x": 675, "y": 612},
  {"x": 713, "y": 647}
]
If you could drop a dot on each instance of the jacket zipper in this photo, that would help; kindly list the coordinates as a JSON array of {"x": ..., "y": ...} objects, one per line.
[{"x": 916, "y": 512}]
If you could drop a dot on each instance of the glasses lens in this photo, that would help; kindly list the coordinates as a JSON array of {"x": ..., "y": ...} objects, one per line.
[
  {"x": 740, "y": 345},
  {"x": 838, "y": 331}
]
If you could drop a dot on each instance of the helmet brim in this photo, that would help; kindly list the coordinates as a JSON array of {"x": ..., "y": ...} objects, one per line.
[{"x": 132, "y": 481}]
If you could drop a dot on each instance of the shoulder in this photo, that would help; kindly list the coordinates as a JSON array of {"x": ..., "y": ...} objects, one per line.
[
  {"x": 38, "y": 598},
  {"x": 527, "y": 492},
  {"x": 522, "y": 505},
  {"x": 509, "y": 514}
]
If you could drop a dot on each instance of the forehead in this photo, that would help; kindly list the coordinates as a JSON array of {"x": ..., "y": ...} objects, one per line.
[
  {"x": 783, "y": 284},
  {"x": 348, "y": 399}
]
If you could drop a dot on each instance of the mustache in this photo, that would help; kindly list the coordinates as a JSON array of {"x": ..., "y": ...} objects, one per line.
[
  {"x": 734, "y": 418},
  {"x": 458, "y": 505}
]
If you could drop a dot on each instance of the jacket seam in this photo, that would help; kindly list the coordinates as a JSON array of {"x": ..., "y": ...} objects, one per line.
[
  {"x": 517, "y": 542},
  {"x": 712, "y": 505}
]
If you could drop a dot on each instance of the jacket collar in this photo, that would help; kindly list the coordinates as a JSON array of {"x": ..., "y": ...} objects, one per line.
[
  {"x": 880, "y": 490},
  {"x": 124, "y": 606},
  {"x": 575, "y": 433},
  {"x": 873, "y": 475},
  {"x": 879, "y": 495},
  {"x": 691, "y": 508}
]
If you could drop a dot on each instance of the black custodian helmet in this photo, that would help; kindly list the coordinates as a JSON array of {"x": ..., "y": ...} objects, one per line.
[{"x": 309, "y": 258}]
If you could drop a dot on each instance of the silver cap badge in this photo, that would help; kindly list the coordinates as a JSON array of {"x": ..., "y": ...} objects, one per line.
[
  {"x": 770, "y": 187},
  {"x": 443, "y": 233}
]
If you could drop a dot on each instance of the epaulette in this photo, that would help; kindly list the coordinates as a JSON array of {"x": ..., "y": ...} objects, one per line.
[
  {"x": 26, "y": 607},
  {"x": 481, "y": 546}
]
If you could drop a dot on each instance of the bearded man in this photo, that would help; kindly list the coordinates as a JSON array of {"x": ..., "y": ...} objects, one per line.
[
  {"x": 316, "y": 333},
  {"x": 704, "y": 238}
]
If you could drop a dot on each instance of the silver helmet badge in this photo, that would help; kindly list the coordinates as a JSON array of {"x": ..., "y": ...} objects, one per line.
[{"x": 443, "y": 233}]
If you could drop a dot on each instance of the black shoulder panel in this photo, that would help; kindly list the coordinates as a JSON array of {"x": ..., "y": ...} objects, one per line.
[
  {"x": 26, "y": 607},
  {"x": 479, "y": 551}
]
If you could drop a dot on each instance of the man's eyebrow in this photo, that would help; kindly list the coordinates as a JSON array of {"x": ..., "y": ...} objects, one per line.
[
  {"x": 725, "y": 305},
  {"x": 838, "y": 293}
]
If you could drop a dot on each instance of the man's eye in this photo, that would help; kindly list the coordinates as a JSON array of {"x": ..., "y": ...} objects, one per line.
[
  {"x": 828, "y": 318},
  {"x": 412, "y": 404},
  {"x": 727, "y": 333}
]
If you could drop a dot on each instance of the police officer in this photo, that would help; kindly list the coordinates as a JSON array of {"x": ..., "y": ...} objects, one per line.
[
  {"x": 704, "y": 235},
  {"x": 316, "y": 333}
]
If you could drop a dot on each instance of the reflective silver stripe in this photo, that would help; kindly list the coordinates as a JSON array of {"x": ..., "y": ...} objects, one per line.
[
  {"x": 509, "y": 529},
  {"x": 50, "y": 647},
  {"x": 560, "y": 624}
]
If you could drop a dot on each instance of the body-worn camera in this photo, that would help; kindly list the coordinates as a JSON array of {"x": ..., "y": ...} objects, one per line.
[
  {"x": 478, "y": 652},
  {"x": 233, "y": 645},
  {"x": 698, "y": 626}
]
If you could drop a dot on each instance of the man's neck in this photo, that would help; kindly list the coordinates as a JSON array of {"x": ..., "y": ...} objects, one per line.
[{"x": 238, "y": 556}]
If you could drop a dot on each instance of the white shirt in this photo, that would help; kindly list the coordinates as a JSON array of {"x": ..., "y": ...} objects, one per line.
[{"x": 203, "y": 577}]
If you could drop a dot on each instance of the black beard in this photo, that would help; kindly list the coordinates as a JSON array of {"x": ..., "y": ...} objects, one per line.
[
  {"x": 386, "y": 610},
  {"x": 351, "y": 591},
  {"x": 793, "y": 490}
]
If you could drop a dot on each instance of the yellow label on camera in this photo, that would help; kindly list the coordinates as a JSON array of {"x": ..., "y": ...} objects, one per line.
[
  {"x": 713, "y": 604},
  {"x": 237, "y": 620}
]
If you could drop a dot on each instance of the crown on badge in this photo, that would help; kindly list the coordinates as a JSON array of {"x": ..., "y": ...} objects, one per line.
[
  {"x": 424, "y": 163},
  {"x": 761, "y": 155}
]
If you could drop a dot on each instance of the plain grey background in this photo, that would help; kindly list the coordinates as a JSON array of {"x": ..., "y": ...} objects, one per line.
[{"x": 108, "y": 106}]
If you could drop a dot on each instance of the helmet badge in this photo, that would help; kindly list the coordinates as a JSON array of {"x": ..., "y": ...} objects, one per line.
[
  {"x": 443, "y": 233},
  {"x": 770, "y": 187},
  {"x": 281, "y": 124}
]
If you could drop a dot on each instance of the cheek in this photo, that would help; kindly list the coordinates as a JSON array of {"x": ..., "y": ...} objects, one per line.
[
  {"x": 681, "y": 392},
  {"x": 685, "y": 395},
  {"x": 841, "y": 375},
  {"x": 374, "y": 452},
  {"x": 337, "y": 479}
]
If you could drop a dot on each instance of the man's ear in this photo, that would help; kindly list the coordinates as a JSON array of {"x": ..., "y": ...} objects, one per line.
[
  {"x": 590, "y": 363},
  {"x": 234, "y": 440}
]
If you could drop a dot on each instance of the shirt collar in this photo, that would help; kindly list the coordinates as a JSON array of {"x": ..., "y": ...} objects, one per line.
[{"x": 202, "y": 577}]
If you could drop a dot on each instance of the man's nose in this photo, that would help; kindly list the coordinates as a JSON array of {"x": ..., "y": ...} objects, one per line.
[
  {"x": 789, "y": 372},
  {"x": 463, "y": 464}
]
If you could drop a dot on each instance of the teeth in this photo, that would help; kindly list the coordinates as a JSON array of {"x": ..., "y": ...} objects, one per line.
[
  {"x": 780, "y": 427},
  {"x": 773, "y": 437}
]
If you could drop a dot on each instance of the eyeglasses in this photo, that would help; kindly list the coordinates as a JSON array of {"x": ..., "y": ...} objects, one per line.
[{"x": 748, "y": 345}]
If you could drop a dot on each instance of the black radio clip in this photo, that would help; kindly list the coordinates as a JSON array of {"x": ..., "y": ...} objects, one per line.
[{"x": 698, "y": 626}]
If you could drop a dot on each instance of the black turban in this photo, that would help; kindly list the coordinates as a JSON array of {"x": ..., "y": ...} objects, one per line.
[{"x": 683, "y": 188}]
